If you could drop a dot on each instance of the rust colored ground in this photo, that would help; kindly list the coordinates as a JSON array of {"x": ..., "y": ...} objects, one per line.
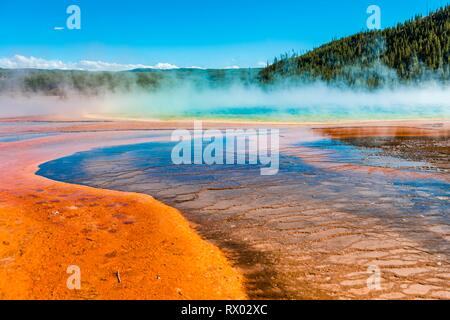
[
  {"x": 45, "y": 226},
  {"x": 418, "y": 129}
]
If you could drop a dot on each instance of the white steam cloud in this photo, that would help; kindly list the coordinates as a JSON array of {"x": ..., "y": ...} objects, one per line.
[
  {"x": 315, "y": 102},
  {"x": 308, "y": 102}
]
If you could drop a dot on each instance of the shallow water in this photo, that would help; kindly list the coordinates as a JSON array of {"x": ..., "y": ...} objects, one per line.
[
  {"x": 299, "y": 234},
  {"x": 23, "y": 136},
  {"x": 341, "y": 152},
  {"x": 289, "y": 114}
]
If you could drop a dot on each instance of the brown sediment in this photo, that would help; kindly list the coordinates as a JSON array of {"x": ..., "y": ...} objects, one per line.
[
  {"x": 46, "y": 226},
  {"x": 424, "y": 129}
]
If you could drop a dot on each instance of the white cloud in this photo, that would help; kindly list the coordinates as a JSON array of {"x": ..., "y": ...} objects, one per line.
[
  {"x": 164, "y": 66},
  {"x": 22, "y": 62},
  {"x": 19, "y": 61},
  {"x": 262, "y": 64},
  {"x": 232, "y": 67},
  {"x": 196, "y": 67}
]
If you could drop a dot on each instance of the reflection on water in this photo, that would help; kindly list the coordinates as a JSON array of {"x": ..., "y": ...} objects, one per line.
[
  {"x": 342, "y": 152},
  {"x": 302, "y": 233}
]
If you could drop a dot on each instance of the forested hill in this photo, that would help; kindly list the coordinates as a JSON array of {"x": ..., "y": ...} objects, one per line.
[
  {"x": 415, "y": 50},
  {"x": 63, "y": 82}
]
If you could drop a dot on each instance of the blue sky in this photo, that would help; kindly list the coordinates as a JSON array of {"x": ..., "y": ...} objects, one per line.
[{"x": 204, "y": 33}]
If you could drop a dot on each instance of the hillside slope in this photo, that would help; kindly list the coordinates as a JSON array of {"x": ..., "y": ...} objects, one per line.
[{"x": 411, "y": 51}]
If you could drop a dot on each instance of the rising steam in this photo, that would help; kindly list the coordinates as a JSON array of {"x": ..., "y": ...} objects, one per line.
[{"x": 183, "y": 99}]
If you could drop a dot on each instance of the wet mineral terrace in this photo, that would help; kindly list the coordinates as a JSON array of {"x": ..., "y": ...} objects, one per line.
[{"x": 308, "y": 232}]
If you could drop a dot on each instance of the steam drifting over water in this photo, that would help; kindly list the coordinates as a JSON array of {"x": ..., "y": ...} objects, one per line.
[{"x": 309, "y": 102}]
